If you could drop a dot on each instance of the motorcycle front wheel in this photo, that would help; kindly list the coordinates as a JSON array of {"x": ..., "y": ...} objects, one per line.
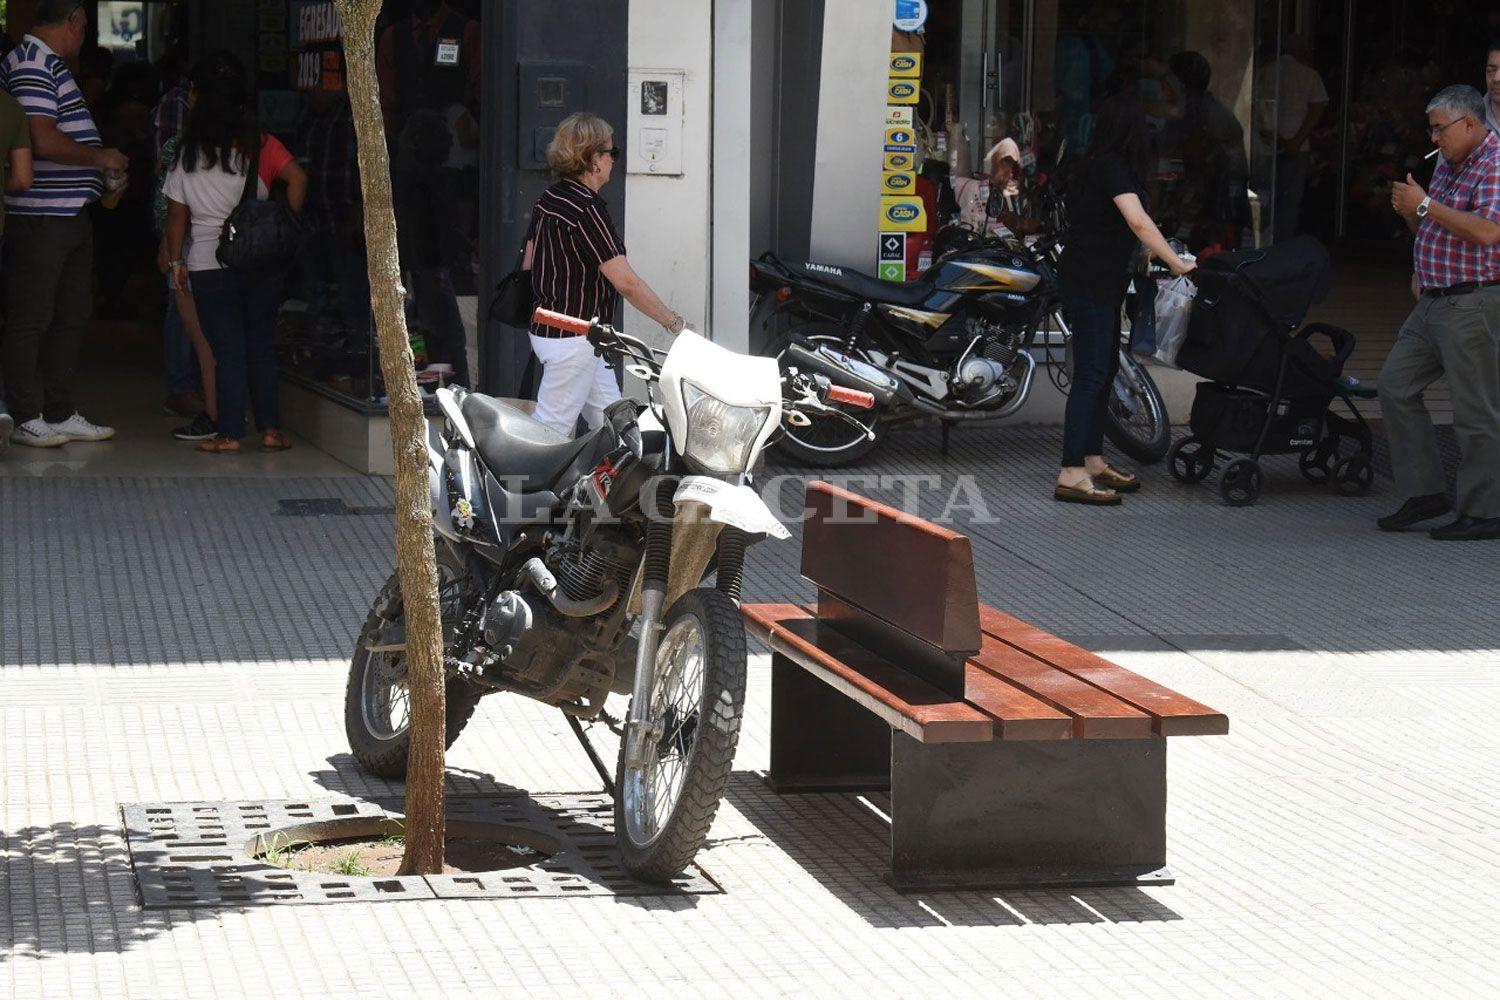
[
  {"x": 663, "y": 809},
  {"x": 1135, "y": 417},
  {"x": 827, "y": 442}
]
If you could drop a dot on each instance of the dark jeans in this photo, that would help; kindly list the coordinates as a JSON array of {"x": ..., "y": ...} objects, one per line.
[
  {"x": 1096, "y": 359},
  {"x": 437, "y": 310},
  {"x": 49, "y": 298},
  {"x": 238, "y": 313}
]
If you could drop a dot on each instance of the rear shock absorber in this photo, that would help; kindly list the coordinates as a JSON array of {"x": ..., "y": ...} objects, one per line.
[
  {"x": 857, "y": 327},
  {"x": 731, "y": 562}
]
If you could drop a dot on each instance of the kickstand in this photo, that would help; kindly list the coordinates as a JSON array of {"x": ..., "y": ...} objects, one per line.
[
  {"x": 588, "y": 748},
  {"x": 947, "y": 429}
]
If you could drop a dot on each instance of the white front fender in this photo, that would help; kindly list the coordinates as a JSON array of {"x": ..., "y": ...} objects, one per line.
[{"x": 737, "y": 506}]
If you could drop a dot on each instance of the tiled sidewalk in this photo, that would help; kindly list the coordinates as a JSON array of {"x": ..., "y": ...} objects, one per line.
[{"x": 184, "y": 641}]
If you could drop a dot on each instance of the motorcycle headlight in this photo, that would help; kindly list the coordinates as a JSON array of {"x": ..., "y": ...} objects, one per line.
[{"x": 719, "y": 436}]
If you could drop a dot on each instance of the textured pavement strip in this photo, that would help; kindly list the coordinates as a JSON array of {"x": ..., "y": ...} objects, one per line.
[{"x": 176, "y": 640}]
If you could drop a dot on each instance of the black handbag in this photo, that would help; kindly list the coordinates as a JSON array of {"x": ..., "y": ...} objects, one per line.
[
  {"x": 259, "y": 235},
  {"x": 514, "y": 302}
]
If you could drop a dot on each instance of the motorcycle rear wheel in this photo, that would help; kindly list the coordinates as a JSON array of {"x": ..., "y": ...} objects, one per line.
[
  {"x": 377, "y": 716},
  {"x": 828, "y": 442},
  {"x": 1135, "y": 415},
  {"x": 663, "y": 811}
]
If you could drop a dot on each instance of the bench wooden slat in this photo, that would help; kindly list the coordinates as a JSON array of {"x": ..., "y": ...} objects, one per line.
[
  {"x": 1095, "y": 715},
  {"x": 1173, "y": 714},
  {"x": 903, "y": 701},
  {"x": 1018, "y": 716}
]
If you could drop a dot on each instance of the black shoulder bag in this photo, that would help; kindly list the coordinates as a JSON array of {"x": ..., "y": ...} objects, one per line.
[
  {"x": 514, "y": 301},
  {"x": 259, "y": 235}
]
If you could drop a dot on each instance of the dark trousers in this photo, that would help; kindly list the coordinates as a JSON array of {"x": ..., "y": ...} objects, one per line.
[
  {"x": 437, "y": 310},
  {"x": 238, "y": 313},
  {"x": 48, "y": 302},
  {"x": 1096, "y": 359}
]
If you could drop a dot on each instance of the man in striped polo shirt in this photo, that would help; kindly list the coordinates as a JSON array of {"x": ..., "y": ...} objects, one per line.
[{"x": 48, "y": 281}]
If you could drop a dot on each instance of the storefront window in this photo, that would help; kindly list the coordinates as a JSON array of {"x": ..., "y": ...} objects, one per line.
[{"x": 428, "y": 65}]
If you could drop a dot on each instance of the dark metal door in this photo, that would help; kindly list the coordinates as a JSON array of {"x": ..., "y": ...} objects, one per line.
[{"x": 543, "y": 60}]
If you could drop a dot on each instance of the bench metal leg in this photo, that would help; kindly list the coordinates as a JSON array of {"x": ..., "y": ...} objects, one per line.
[
  {"x": 820, "y": 740},
  {"x": 1028, "y": 815}
]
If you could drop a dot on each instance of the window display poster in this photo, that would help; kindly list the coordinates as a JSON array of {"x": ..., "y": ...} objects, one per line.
[{"x": 317, "y": 55}]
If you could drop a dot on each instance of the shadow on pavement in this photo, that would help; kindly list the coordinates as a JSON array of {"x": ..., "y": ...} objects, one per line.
[{"x": 843, "y": 841}]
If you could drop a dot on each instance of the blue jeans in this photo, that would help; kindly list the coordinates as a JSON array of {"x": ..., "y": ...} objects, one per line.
[
  {"x": 181, "y": 360},
  {"x": 1096, "y": 358},
  {"x": 238, "y": 313}
]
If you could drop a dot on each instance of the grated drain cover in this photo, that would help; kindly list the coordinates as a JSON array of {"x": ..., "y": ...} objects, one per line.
[
  {"x": 192, "y": 854},
  {"x": 325, "y": 507}
]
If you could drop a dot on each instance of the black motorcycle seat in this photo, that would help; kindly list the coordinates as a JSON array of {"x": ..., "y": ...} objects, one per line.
[
  {"x": 512, "y": 444},
  {"x": 865, "y": 287}
]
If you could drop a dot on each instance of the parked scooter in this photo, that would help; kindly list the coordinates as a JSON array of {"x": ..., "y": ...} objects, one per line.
[
  {"x": 956, "y": 344},
  {"x": 551, "y": 551}
]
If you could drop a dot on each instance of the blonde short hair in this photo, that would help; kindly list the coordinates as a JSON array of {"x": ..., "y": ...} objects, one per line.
[{"x": 579, "y": 138}]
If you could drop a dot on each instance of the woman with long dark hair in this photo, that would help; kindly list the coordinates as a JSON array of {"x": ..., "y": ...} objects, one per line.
[
  {"x": 237, "y": 309},
  {"x": 1106, "y": 220}
]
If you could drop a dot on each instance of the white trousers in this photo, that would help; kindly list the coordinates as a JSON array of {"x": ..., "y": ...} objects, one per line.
[{"x": 573, "y": 382}]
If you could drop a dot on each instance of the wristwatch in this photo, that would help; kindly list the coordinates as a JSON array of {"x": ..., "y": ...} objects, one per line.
[{"x": 1423, "y": 207}]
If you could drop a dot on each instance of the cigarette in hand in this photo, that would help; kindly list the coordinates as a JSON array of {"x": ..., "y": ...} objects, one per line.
[{"x": 1432, "y": 154}]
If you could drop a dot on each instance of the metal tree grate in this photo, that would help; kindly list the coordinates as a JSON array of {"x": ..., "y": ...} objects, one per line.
[{"x": 195, "y": 854}]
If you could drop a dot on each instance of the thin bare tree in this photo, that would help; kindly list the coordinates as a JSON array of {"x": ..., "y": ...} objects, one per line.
[{"x": 416, "y": 563}]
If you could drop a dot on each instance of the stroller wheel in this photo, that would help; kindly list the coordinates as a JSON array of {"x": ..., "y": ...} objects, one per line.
[
  {"x": 1189, "y": 461},
  {"x": 1240, "y": 483},
  {"x": 1353, "y": 476},
  {"x": 1316, "y": 463}
]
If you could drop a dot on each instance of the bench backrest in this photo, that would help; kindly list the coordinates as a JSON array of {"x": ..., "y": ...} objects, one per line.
[{"x": 894, "y": 583}]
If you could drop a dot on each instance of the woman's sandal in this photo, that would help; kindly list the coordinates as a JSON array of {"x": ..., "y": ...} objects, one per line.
[
  {"x": 1117, "y": 481},
  {"x": 220, "y": 446},
  {"x": 274, "y": 441},
  {"x": 1085, "y": 492}
]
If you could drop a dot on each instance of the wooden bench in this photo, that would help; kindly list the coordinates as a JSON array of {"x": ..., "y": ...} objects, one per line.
[{"x": 1013, "y": 758}]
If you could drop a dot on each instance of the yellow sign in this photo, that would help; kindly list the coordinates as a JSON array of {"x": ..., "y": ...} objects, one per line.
[
  {"x": 900, "y": 140},
  {"x": 900, "y": 161},
  {"x": 903, "y": 92},
  {"x": 902, "y": 214},
  {"x": 906, "y": 65},
  {"x": 898, "y": 182}
]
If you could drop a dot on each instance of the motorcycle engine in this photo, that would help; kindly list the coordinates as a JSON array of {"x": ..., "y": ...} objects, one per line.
[
  {"x": 582, "y": 569},
  {"x": 984, "y": 376}
]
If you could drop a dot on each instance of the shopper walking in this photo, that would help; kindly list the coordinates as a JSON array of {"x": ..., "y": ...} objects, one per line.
[
  {"x": 15, "y": 175},
  {"x": 1107, "y": 220},
  {"x": 220, "y": 146},
  {"x": 578, "y": 267},
  {"x": 1454, "y": 329},
  {"x": 49, "y": 280}
]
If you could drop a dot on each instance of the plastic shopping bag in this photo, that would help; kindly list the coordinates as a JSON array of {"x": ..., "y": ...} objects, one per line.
[{"x": 1174, "y": 304}]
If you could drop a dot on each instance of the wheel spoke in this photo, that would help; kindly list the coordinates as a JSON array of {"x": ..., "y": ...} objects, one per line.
[{"x": 651, "y": 794}]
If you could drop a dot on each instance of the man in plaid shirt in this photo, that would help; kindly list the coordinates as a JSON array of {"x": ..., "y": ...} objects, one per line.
[{"x": 1454, "y": 329}]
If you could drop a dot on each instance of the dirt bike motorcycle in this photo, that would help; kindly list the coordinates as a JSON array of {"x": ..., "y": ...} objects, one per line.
[
  {"x": 570, "y": 569},
  {"x": 955, "y": 345}
]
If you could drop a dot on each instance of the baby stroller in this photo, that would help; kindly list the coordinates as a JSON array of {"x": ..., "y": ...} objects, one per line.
[{"x": 1270, "y": 390}]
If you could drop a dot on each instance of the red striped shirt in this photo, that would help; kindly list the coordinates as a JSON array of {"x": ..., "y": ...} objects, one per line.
[{"x": 574, "y": 235}]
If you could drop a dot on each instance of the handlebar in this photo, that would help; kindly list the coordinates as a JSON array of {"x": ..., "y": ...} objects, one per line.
[{"x": 559, "y": 321}]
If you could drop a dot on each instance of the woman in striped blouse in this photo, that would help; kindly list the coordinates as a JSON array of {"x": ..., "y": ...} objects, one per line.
[{"x": 578, "y": 267}]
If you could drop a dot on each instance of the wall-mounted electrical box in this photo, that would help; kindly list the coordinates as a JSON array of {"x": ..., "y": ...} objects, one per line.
[{"x": 654, "y": 122}]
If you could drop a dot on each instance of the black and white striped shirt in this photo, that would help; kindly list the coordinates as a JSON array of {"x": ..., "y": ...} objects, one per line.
[{"x": 574, "y": 235}]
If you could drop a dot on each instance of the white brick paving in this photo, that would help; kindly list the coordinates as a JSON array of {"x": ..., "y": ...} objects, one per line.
[{"x": 1342, "y": 841}]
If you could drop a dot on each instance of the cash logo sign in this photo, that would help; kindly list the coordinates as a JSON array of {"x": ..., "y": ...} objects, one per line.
[
  {"x": 902, "y": 90},
  {"x": 903, "y": 64},
  {"x": 901, "y": 213}
]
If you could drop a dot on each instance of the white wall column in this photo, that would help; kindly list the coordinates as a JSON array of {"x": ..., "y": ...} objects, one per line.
[
  {"x": 851, "y": 132},
  {"x": 729, "y": 306}
]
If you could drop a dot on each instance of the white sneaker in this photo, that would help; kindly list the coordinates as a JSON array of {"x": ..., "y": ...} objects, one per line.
[
  {"x": 75, "y": 428},
  {"x": 38, "y": 434},
  {"x": 7, "y": 425}
]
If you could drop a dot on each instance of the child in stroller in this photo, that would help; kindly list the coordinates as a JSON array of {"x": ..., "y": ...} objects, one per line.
[{"x": 1270, "y": 391}]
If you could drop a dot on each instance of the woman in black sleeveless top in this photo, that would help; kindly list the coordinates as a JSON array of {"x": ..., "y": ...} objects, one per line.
[{"x": 1106, "y": 220}]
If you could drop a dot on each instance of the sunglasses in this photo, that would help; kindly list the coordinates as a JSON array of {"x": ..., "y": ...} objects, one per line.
[{"x": 613, "y": 151}]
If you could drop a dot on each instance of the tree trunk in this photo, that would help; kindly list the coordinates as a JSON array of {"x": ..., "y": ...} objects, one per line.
[{"x": 416, "y": 563}]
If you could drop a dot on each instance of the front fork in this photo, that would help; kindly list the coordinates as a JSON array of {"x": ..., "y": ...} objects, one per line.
[{"x": 642, "y": 731}]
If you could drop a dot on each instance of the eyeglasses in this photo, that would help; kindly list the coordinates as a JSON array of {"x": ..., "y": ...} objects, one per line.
[
  {"x": 1437, "y": 130},
  {"x": 614, "y": 152}
]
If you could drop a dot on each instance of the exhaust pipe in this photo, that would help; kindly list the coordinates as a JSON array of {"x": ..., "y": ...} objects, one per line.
[{"x": 851, "y": 373}]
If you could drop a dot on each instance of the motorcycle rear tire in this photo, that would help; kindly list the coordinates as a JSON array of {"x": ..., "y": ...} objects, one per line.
[
  {"x": 1147, "y": 446},
  {"x": 808, "y": 453},
  {"x": 385, "y": 756},
  {"x": 672, "y": 846}
]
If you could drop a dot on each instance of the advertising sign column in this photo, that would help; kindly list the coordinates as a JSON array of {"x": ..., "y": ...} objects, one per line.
[{"x": 901, "y": 210}]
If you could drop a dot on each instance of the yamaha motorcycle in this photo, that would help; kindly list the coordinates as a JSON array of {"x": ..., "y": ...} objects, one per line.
[
  {"x": 570, "y": 569},
  {"x": 956, "y": 344}
]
